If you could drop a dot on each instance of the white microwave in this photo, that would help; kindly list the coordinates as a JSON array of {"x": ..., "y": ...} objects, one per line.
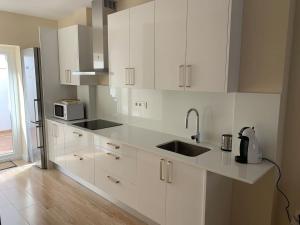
[{"x": 69, "y": 110}]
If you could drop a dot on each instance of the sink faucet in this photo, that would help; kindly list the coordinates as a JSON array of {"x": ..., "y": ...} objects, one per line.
[{"x": 197, "y": 135}]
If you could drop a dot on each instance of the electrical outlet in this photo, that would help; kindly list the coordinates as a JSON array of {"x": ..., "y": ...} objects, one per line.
[{"x": 141, "y": 104}]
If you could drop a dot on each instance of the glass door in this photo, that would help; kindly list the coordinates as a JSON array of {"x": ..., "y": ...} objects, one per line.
[
  {"x": 6, "y": 132},
  {"x": 10, "y": 125}
]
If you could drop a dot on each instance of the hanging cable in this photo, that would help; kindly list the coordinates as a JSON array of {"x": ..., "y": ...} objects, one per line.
[{"x": 279, "y": 189}]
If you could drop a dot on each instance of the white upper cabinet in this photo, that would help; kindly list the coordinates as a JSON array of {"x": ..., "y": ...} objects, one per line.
[
  {"x": 118, "y": 45},
  {"x": 207, "y": 38},
  {"x": 75, "y": 54},
  {"x": 131, "y": 47},
  {"x": 197, "y": 44},
  {"x": 142, "y": 45},
  {"x": 170, "y": 43}
]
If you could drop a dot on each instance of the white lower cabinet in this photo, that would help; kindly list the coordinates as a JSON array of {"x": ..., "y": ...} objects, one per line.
[
  {"x": 79, "y": 152},
  {"x": 166, "y": 191},
  {"x": 170, "y": 192},
  {"x": 185, "y": 194},
  {"x": 115, "y": 169},
  {"x": 55, "y": 134},
  {"x": 151, "y": 187}
]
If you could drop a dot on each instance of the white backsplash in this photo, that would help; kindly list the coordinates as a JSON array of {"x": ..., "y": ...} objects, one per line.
[
  {"x": 219, "y": 113},
  {"x": 166, "y": 111}
]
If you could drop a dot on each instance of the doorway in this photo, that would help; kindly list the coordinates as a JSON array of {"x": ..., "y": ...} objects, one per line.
[
  {"x": 10, "y": 143},
  {"x": 6, "y": 136}
]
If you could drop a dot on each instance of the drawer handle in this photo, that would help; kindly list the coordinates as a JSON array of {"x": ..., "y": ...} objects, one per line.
[
  {"x": 77, "y": 133},
  {"x": 80, "y": 158},
  {"x": 161, "y": 172},
  {"x": 113, "y": 155},
  {"x": 170, "y": 172},
  {"x": 114, "y": 180},
  {"x": 113, "y": 145}
]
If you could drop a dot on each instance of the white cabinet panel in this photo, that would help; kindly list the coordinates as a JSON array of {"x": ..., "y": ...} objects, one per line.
[
  {"x": 118, "y": 45},
  {"x": 79, "y": 152},
  {"x": 75, "y": 54},
  {"x": 68, "y": 53},
  {"x": 56, "y": 143},
  {"x": 151, "y": 190},
  {"x": 207, "y": 42},
  {"x": 142, "y": 45},
  {"x": 170, "y": 43},
  {"x": 185, "y": 195}
]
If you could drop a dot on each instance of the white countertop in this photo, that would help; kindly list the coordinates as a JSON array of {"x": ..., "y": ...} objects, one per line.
[{"x": 215, "y": 160}]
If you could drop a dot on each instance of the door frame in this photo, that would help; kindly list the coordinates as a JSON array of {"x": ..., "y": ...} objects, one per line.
[{"x": 17, "y": 113}]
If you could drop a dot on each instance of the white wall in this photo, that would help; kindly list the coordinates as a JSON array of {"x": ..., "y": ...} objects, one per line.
[{"x": 5, "y": 122}]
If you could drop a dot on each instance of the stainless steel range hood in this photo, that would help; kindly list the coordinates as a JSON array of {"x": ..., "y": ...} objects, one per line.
[{"x": 100, "y": 10}]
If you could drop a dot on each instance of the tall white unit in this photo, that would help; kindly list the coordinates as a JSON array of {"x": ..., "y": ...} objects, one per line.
[
  {"x": 131, "y": 47},
  {"x": 197, "y": 44}
]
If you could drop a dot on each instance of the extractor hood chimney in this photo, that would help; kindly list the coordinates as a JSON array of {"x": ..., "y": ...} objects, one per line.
[{"x": 100, "y": 10}]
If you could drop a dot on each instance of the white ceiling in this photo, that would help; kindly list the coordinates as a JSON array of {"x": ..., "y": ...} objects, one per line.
[{"x": 50, "y": 9}]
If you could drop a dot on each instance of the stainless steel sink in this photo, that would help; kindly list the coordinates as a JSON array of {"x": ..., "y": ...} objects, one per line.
[{"x": 183, "y": 148}]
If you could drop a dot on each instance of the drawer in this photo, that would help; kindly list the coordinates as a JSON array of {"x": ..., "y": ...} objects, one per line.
[
  {"x": 77, "y": 140},
  {"x": 81, "y": 164},
  {"x": 116, "y": 187},
  {"x": 118, "y": 164},
  {"x": 115, "y": 146}
]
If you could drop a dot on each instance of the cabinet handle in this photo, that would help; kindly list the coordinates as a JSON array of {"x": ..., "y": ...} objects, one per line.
[
  {"x": 68, "y": 76},
  {"x": 181, "y": 76},
  {"x": 113, "y": 145},
  {"x": 113, "y": 155},
  {"x": 161, "y": 171},
  {"x": 114, "y": 180},
  {"x": 188, "y": 76},
  {"x": 78, "y": 134},
  {"x": 170, "y": 172},
  {"x": 127, "y": 82},
  {"x": 132, "y": 76},
  {"x": 80, "y": 157}
]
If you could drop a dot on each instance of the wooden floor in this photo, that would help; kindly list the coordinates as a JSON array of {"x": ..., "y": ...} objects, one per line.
[
  {"x": 6, "y": 142},
  {"x": 32, "y": 196}
]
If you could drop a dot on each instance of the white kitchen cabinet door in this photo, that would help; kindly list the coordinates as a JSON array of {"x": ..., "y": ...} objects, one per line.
[
  {"x": 68, "y": 53},
  {"x": 50, "y": 141},
  {"x": 56, "y": 143},
  {"x": 142, "y": 46},
  {"x": 151, "y": 188},
  {"x": 118, "y": 45},
  {"x": 79, "y": 152},
  {"x": 185, "y": 194},
  {"x": 75, "y": 54},
  {"x": 207, "y": 42},
  {"x": 170, "y": 44}
]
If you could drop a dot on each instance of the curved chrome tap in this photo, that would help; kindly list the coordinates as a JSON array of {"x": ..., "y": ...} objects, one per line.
[{"x": 197, "y": 135}]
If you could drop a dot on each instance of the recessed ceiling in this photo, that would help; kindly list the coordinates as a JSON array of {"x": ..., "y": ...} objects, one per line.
[{"x": 50, "y": 9}]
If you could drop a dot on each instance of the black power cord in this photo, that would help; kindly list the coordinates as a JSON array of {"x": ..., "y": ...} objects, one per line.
[{"x": 279, "y": 189}]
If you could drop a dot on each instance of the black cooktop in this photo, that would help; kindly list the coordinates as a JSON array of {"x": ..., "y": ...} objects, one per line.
[{"x": 97, "y": 124}]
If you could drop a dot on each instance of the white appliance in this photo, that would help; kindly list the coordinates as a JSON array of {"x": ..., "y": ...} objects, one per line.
[
  {"x": 249, "y": 149},
  {"x": 69, "y": 110}
]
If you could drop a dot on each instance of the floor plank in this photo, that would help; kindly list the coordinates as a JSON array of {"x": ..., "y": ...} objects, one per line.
[{"x": 42, "y": 197}]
